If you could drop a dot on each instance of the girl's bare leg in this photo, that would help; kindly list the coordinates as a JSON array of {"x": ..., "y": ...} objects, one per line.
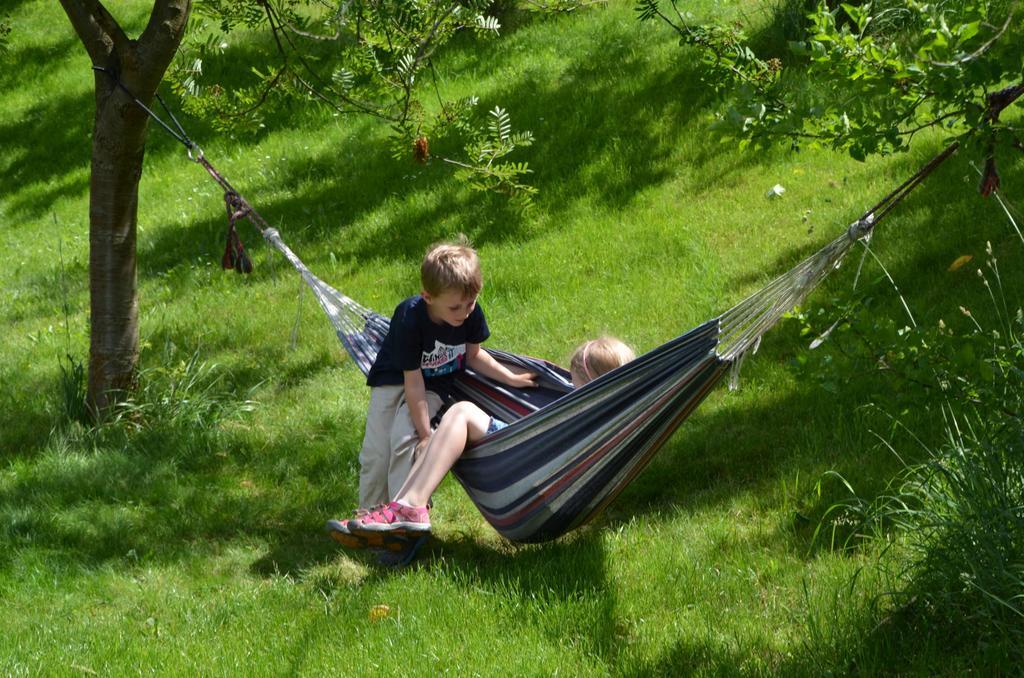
[{"x": 462, "y": 424}]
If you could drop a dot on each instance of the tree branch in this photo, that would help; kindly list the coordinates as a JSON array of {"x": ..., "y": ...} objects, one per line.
[
  {"x": 339, "y": 17},
  {"x": 563, "y": 6},
  {"x": 277, "y": 30},
  {"x": 692, "y": 38},
  {"x": 160, "y": 39},
  {"x": 363, "y": 108},
  {"x": 97, "y": 29},
  {"x": 981, "y": 50},
  {"x": 932, "y": 123},
  {"x": 262, "y": 98}
]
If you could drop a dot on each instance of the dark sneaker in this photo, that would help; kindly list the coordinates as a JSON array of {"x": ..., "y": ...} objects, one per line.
[
  {"x": 398, "y": 558},
  {"x": 394, "y": 517}
]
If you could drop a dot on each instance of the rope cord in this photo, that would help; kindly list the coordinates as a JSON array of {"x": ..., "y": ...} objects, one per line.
[
  {"x": 353, "y": 322},
  {"x": 890, "y": 201},
  {"x": 742, "y": 326},
  {"x": 178, "y": 135}
]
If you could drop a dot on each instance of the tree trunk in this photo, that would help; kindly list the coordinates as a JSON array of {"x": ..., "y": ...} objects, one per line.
[{"x": 118, "y": 147}]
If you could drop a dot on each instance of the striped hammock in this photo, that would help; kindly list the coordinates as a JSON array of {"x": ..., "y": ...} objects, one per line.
[{"x": 568, "y": 453}]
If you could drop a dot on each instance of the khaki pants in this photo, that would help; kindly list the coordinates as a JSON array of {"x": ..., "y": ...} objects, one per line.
[{"x": 389, "y": 444}]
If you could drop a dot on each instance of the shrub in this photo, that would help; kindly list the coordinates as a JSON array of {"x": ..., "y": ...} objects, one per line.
[{"x": 952, "y": 523}]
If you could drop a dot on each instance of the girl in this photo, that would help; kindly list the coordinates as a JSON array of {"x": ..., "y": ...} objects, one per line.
[{"x": 463, "y": 424}]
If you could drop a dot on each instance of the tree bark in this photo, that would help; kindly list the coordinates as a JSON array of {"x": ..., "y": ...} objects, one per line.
[{"x": 118, "y": 149}]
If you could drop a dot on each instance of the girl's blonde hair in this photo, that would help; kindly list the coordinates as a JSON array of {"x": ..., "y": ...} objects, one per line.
[{"x": 597, "y": 356}]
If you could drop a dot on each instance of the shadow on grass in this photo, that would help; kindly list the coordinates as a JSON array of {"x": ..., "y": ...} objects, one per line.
[
  {"x": 170, "y": 491},
  {"x": 24, "y": 415},
  {"x": 583, "y": 134},
  {"x": 54, "y": 52},
  {"x": 559, "y": 588},
  {"x": 694, "y": 657},
  {"x": 36, "y": 149},
  {"x": 13, "y": 6}
]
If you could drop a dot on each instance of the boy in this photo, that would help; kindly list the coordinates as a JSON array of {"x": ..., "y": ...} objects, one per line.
[{"x": 432, "y": 336}]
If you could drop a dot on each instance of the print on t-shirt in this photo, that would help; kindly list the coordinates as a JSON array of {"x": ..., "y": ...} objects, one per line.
[{"x": 444, "y": 359}]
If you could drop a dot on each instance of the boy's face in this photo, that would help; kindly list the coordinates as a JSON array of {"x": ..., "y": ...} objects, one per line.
[{"x": 451, "y": 306}]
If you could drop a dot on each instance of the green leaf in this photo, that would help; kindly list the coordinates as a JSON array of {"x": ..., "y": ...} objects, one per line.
[
  {"x": 968, "y": 30},
  {"x": 859, "y": 15}
]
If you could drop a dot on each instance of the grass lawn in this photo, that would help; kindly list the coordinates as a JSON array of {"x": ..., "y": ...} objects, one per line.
[{"x": 194, "y": 543}]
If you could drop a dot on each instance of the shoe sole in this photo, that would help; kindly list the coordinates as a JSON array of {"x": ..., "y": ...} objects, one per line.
[
  {"x": 403, "y": 529},
  {"x": 391, "y": 541}
]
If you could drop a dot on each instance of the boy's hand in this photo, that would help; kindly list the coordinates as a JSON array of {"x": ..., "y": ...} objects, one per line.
[
  {"x": 524, "y": 380},
  {"x": 484, "y": 362},
  {"x": 421, "y": 446}
]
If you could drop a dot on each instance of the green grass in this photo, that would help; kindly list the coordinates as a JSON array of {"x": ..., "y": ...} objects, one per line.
[{"x": 195, "y": 545}]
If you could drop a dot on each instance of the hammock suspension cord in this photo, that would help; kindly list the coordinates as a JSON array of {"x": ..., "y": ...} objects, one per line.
[
  {"x": 357, "y": 326},
  {"x": 743, "y": 325}
]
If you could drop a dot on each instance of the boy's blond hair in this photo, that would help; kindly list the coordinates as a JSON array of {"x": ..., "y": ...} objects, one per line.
[
  {"x": 597, "y": 356},
  {"x": 452, "y": 265}
]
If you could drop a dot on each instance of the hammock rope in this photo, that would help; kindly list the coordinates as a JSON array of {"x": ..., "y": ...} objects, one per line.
[
  {"x": 566, "y": 453},
  {"x": 743, "y": 325}
]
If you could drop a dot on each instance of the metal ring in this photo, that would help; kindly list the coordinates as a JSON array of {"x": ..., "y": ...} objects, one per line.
[{"x": 860, "y": 228}]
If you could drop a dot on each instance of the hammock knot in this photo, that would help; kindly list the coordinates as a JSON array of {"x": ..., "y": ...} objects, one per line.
[
  {"x": 237, "y": 208},
  {"x": 861, "y": 228},
  {"x": 234, "y": 252}
]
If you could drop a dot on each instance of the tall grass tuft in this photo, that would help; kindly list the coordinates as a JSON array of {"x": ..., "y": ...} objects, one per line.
[
  {"x": 190, "y": 393},
  {"x": 963, "y": 511},
  {"x": 73, "y": 406}
]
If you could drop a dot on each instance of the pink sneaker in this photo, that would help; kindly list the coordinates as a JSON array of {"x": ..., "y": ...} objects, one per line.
[{"x": 392, "y": 517}]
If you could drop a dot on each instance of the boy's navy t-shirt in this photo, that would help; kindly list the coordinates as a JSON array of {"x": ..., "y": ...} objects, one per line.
[{"x": 415, "y": 341}]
